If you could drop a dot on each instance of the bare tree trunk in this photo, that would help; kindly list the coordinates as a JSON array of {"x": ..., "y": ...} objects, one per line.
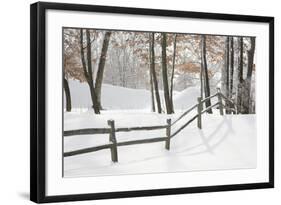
[
  {"x": 152, "y": 93},
  {"x": 202, "y": 74},
  {"x": 88, "y": 73},
  {"x": 205, "y": 67},
  {"x": 223, "y": 70},
  {"x": 165, "y": 75},
  {"x": 100, "y": 71},
  {"x": 83, "y": 56},
  {"x": 67, "y": 95},
  {"x": 151, "y": 76},
  {"x": 227, "y": 73},
  {"x": 173, "y": 72},
  {"x": 247, "y": 97},
  {"x": 240, "y": 77},
  {"x": 158, "y": 101},
  {"x": 231, "y": 67}
]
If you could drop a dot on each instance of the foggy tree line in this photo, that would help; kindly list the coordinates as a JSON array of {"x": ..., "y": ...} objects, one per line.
[{"x": 161, "y": 63}]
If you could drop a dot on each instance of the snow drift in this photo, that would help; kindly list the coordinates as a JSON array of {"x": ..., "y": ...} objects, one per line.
[
  {"x": 112, "y": 97},
  {"x": 117, "y": 98},
  {"x": 225, "y": 142}
]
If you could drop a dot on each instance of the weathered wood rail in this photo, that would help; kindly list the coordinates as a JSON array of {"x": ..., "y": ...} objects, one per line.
[
  {"x": 111, "y": 130},
  {"x": 113, "y": 144},
  {"x": 88, "y": 131}
]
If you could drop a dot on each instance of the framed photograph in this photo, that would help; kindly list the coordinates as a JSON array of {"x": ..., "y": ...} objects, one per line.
[{"x": 129, "y": 102}]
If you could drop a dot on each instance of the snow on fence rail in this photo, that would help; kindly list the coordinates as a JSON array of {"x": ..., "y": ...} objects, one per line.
[
  {"x": 111, "y": 130},
  {"x": 112, "y": 138},
  {"x": 88, "y": 131}
]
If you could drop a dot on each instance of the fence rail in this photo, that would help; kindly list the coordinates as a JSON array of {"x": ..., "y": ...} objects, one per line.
[
  {"x": 114, "y": 144},
  {"x": 86, "y": 131},
  {"x": 182, "y": 127},
  {"x": 128, "y": 129},
  {"x": 90, "y": 131},
  {"x": 185, "y": 113},
  {"x": 208, "y": 98},
  {"x": 210, "y": 107}
]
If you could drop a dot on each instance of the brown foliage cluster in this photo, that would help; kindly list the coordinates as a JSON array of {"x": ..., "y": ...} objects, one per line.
[
  {"x": 188, "y": 50},
  {"x": 72, "y": 62},
  {"x": 191, "y": 67}
]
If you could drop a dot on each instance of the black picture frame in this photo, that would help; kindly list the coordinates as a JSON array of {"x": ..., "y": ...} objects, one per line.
[{"x": 38, "y": 101}]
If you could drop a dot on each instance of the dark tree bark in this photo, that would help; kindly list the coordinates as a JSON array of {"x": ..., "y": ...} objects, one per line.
[
  {"x": 251, "y": 53},
  {"x": 240, "y": 71},
  {"x": 151, "y": 76},
  {"x": 247, "y": 93},
  {"x": 227, "y": 74},
  {"x": 152, "y": 92},
  {"x": 205, "y": 69},
  {"x": 240, "y": 76},
  {"x": 88, "y": 72},
  {"x": 227, "y": 67},
  {"x": 154, "y": 76},
  {"x": 202, "y": 87},
  {"x": 67, "y": 95},
  {"x": 173, "y": 72},
  {"x": 165, "y": 75},
  {"x": 83, "y": 56},
  {"x": 223, "y": 69},
  {"x": 101, "y": 65},
  {"x": 231, "y": 67}
]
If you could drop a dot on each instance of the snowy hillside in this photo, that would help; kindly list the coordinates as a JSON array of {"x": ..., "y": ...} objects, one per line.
[
  {"x": 225, "y": 142},
  {"x": 113, "y": 97},
  {"x": 186, "y": 98},
  {"x": 116, "y": 98}
]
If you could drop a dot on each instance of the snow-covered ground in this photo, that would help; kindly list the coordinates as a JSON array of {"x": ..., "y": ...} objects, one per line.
[{"x": 225, "y": 142}]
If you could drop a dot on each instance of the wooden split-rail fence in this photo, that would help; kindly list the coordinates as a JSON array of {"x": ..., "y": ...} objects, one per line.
[{"x": 111, "y": 130}]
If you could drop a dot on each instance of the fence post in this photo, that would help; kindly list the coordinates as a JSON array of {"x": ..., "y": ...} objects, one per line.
[
  {"x": 168, "y": 134},
  {"x": 199, "y": 109},
  {"x": 112, "y": 138},
  {"x": 220, "y": 101}
]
